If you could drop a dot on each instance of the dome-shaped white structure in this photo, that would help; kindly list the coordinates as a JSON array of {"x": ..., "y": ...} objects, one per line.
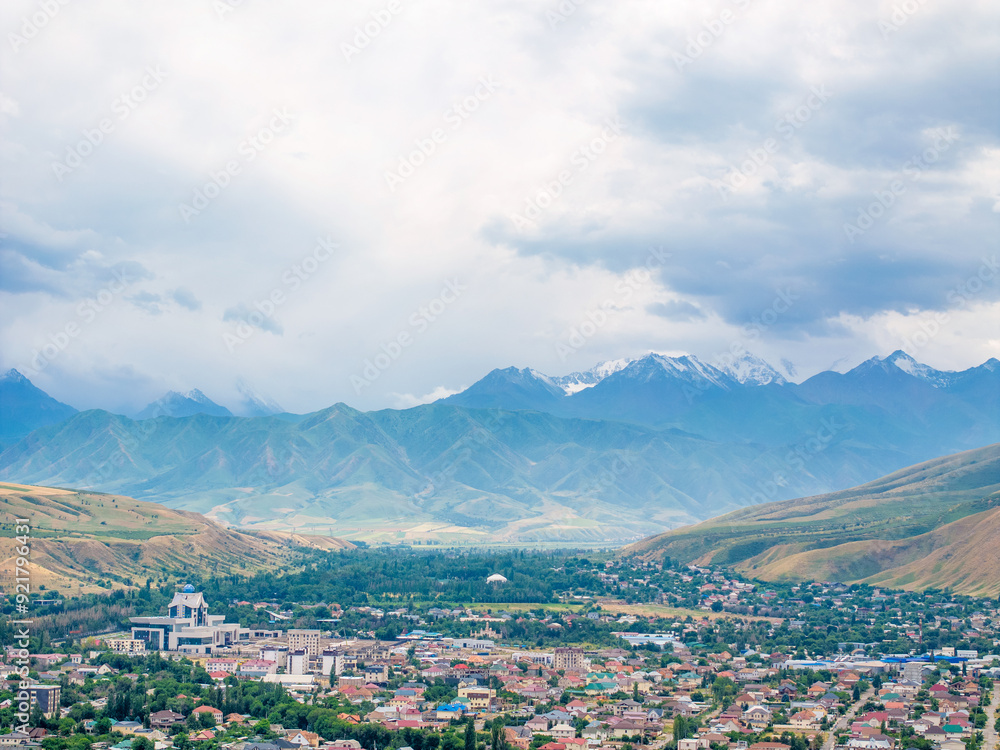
[{"x": 496, "y": 578}]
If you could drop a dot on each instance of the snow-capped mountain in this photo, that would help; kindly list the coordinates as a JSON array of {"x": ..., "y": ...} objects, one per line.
[
  {"x": 687, "y": 368},
  {"x": 746, "y": 370},
  {"x": 690, "y": 394},
  {"x": 751, "y": 370},
  {"x": 909, "y": 365},
  {"x": 577, "y": 381},
  {"x": 254, "y": 404},
  {"x": 607, "y": 388},
  {"x": 174, "y": 404}
]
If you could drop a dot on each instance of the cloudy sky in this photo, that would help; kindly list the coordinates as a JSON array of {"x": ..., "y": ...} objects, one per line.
[{"x": 204, "y": 191}]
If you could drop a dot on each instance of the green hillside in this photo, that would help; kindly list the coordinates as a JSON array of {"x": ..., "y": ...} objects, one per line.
[{"x": 871, "y": 532}]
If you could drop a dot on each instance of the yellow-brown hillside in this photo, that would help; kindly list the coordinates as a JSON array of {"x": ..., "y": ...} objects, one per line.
[{"x": 81, "y": 538}]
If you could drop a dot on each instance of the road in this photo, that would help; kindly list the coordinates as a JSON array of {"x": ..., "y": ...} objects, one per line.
[
  {"x": 845, "y": 721},
  {"x": 991, "y": 741}
]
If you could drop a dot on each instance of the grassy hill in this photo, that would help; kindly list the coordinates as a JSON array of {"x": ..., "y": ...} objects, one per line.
[
  {"x": 929, "y": 525},
  {"x": 87, "y": 541}
]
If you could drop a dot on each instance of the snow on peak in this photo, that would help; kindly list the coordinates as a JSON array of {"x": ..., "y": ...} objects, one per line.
[
  {"x": 751, "y": 370},
  {"x": 578, "y": 381},
  {"x": 910, "y": 366},
  {"x": 255, "y": 404},
  {"x": 14, "y": 376},
  {"x": 539, "y": 375},
  {"x": 686, "y": 367}
]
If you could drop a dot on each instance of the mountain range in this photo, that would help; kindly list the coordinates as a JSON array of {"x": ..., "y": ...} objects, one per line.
[
  {"x": 685, "y": 392},
  {"x": 24, "y": 407},
  {"x": 930, "y": 525},
  {"x": 629, "y": 448}
]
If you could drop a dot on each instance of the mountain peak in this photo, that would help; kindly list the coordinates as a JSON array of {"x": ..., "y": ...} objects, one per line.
[
  {"x": 578, "y": 381},
  {"x": 899, "y": 355},
  {"x": 512, "y": 388},
  {"x": 174, "y": 404},
  {"x": 195, "y": 395},
  {"x": 255, "y": 404},
  {"x": 25, "y": 407},
  {"x": 752, "y": 370},
  {"x": 13, "y": 376},
  {"x": 910, "y": 366},
  {"x": 685, "y": 367}
]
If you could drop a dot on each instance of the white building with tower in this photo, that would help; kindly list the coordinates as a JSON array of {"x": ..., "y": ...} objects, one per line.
[{"x": 188, "y": 627}]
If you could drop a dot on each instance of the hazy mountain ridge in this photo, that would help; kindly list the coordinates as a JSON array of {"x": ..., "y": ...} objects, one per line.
[
  {"x": 651, "y": 444},
  {"x": 513, "y": 475},
  {"x": 174, "y": 404}
]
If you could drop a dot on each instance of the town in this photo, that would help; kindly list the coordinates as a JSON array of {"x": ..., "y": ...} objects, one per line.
[{"x": 616, "y": 654}]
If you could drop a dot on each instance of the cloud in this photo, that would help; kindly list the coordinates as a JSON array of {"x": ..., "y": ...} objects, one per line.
[
  {"x": 243, "y": 313},
  {"x": 408, "y": 400},
  {"x": 147, "y": 302},
  {"x": 186, "y": 299},
  {"x": 676, "y": 310},
  {"x": 745, "y": 164}
]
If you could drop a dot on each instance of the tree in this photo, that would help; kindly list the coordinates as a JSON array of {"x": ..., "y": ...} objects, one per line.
[
  {"x": 470, "y": 736},
  {"x": 498, "y": 737},
  {"x": 36, "y": 718},
  {"x": 680, "y": 728},
  {"x": 141, "y": 743}
]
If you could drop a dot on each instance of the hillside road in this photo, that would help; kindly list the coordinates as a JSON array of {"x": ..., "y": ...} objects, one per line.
[{"x": 991, "y": 740}]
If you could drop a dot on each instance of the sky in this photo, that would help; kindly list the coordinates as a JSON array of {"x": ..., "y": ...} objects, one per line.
[{"x": 378, "y": 202}]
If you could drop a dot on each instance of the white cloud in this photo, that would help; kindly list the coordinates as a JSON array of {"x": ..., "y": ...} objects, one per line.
[
  {"x": 408, "y": 400},
  {"x": 418, "y": 86}
]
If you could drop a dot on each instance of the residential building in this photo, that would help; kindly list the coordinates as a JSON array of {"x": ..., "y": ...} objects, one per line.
[
  {"x": 130, "y": 646},
  {"x": 47, "y": 698},
  {"x": 569, "y": 659},
  {"x": 304, "y": 640}
]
